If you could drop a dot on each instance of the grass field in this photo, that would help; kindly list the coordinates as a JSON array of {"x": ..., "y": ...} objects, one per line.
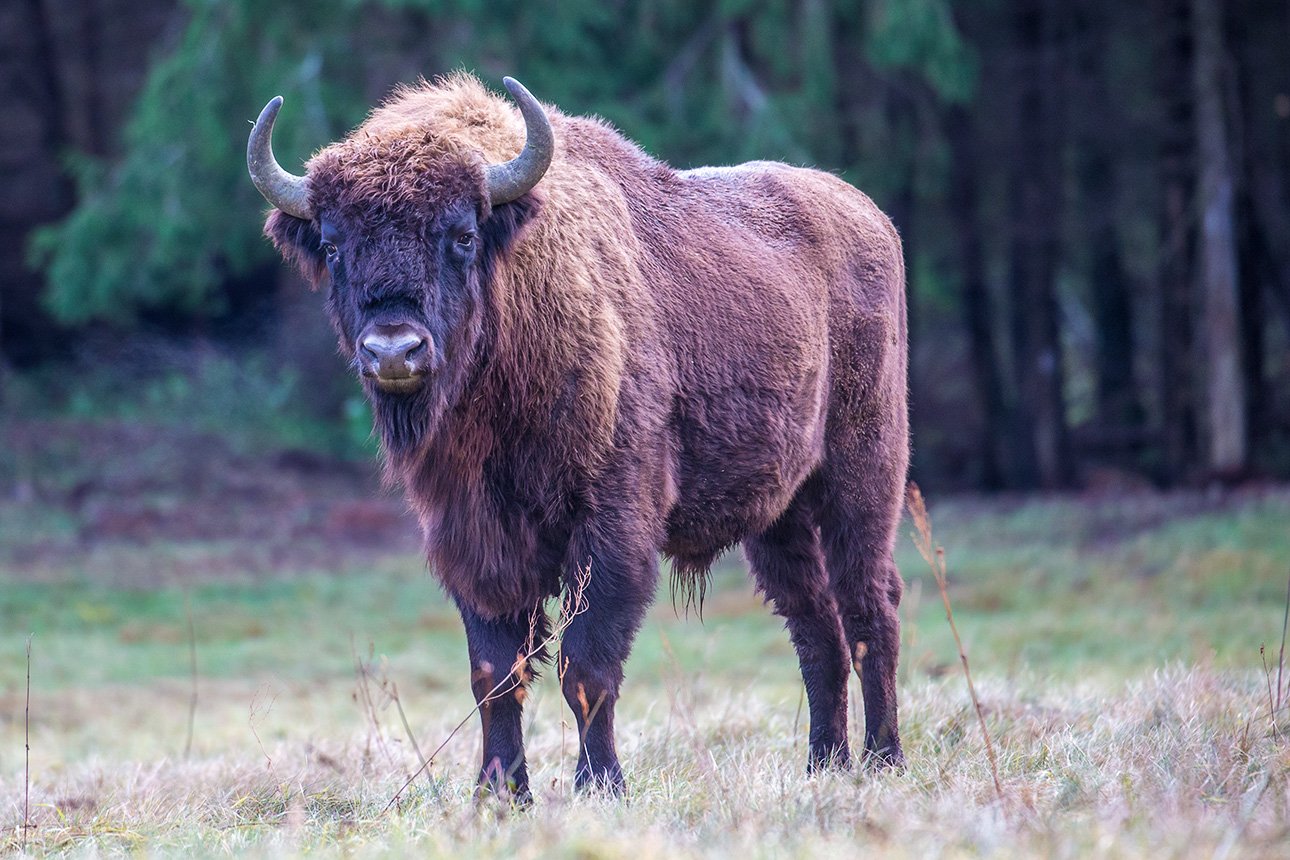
[{"x": 1115, "y": 643}]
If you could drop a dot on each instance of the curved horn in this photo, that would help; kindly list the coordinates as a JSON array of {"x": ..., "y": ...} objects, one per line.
[
  {"x": 511, "y": 180},
  {"x": 288, "y": 192}
]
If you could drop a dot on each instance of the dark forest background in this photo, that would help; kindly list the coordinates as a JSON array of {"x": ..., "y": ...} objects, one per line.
[{"x": 1094, "y": 196}]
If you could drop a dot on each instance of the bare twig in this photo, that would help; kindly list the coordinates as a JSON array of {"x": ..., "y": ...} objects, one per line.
[
  {"x": 562, "y": 666},
  {"x": 192, "y": 662},
  {"x": 250, "y": 721},
  {"x": 363, "y": 695},
  {"x": 935, "y": 558},
  {"x": 797, "y": 719},
  {"x": 573, "y": 605}
]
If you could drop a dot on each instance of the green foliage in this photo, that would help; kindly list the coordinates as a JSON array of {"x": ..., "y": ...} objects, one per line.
[
  {"x": 175, "y": 217},
  {"x": 919, "y": 35},
  {"x": 251, "y": 402},
  {"x": 166, "y": 225}
]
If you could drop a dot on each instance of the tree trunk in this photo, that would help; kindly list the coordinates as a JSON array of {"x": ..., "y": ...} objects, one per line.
[
  {"x": 1256, "y": 269},
  {"x": 1036, "y": 202},
  {"x": 1226, "y": 449},
  {"x": 1176, "y": 376},
  {"x": 848, "y": 29},
  {"x": 1097, "y": 122},
  {"x": 35, "y": 188},
  {"x": 97, "y": 133},
  {"x": 974, "y": 301},
  {"x": 1257, "y": 259}
]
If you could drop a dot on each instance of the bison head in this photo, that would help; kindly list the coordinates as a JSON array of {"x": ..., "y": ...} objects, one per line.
[{"x": 404, "y": 220}]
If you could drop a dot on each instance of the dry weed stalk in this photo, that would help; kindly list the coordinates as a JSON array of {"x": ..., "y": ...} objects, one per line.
[
  {"x": 1275, "y": 701},
  {"x": 250, "y": 721},
  {"x": 26, "y": 738},
  {"x": 573, "y": 604},
  {"x": 1281, "y": 657},
  {"x": 363, "y": 695},
  {"x": 1272, "y": 708},
  {"x": 391, "y": 689},
  {"x": 380, "y": 673},
  {"x": 192, "y": 662},
  {"x": 935, "y": 558}
]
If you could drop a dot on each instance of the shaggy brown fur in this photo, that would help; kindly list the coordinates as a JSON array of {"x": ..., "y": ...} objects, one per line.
[{"x": 631, "y": 360}]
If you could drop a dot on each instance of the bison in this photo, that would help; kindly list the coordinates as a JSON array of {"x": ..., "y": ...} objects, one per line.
[{"x": 579, "y": 358}]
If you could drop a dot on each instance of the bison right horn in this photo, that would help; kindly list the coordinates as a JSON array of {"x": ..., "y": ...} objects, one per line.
[
  {"x": 509, "y": 181},
  {"x": 288, "y": 192}
]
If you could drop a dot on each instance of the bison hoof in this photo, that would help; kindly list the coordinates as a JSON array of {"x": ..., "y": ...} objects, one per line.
[
  {"x": 514, "y": 796},
  {"x": 507, "y": 789},
  {"x": 829, "y": 759},
  {"x": 607, "y": 781},
  {"x": 888, "y": 758}
]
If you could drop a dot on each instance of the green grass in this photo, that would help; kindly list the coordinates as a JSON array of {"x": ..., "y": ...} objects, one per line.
[
  {"x": 251, "y": 402},
  {"x": 1115, "y": 644}
]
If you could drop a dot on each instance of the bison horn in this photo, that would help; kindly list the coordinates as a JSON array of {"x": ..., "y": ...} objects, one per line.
[
  {"x": 509, "y": 181},
  {"x": 288, "y": 192}
]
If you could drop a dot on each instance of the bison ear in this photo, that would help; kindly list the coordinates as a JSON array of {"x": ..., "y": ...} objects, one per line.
[
  {"x": 504, "y": 225},
  {"x": 298, "y": 240}
]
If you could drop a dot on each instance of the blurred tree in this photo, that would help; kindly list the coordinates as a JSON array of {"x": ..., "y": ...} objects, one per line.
[
  {"x": 161, "y": 228},
  {"x": 1037, "y": 198},
  {"x": 1176, "y": 363},
  {"x": 36, "y": 189},
  {"x": 173, "y": 221},
  {"x": 978, "y": 316},
  {"x": 1057, "y": 173},
  {"x": 1096, "y": 148},
  {"x": 1224, "y": 379},
  {"x": 1262, "y": 125}
]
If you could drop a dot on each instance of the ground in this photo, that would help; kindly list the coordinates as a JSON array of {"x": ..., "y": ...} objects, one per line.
[{"x": 1114, "y": 640}]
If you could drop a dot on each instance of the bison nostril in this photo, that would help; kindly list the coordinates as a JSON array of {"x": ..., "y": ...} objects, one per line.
[{"x": 391, "y": 351}]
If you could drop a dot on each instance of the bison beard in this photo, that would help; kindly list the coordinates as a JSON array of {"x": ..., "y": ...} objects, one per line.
[{"x": 608, "y": 359}]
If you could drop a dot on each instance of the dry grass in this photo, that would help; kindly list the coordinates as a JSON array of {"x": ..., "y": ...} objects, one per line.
[
  {"x": 1115, "y": 658},
  {"x": 1182, "y": 763}
]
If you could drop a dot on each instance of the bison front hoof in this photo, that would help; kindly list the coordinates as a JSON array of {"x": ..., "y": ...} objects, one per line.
[
  {"x": 607, "y": 781},
  {"x": 888, "y": 758},
  {"x": 511, "y": 790},
  {"x": 516, "y": 797},
  {"x": 826, "y": 759}
]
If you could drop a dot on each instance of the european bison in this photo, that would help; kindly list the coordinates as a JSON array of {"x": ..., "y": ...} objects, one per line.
[{"x": 581, "y": 357}]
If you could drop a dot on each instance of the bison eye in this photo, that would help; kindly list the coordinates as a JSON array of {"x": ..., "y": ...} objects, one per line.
[
  {"x": 465, "y": 240},
  {"x": 331, "y": 251}
]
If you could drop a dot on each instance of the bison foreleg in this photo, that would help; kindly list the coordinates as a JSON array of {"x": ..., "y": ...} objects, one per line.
[
  {"x": 601, "y": 629},
  {"x": 502, "y": 655}
]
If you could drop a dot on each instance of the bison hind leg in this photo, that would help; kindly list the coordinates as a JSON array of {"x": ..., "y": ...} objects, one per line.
[
  {"x": 858, "y": 516},
  {"x": 787, "y": 563}
]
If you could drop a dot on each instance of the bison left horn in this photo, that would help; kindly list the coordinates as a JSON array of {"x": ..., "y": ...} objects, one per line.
[
  {"x": 509, "y": 181},
  {"x": 288, "y": 192}
]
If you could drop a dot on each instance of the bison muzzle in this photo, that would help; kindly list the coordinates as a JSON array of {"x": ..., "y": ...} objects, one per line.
[{"x": 580, "y": 358}]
